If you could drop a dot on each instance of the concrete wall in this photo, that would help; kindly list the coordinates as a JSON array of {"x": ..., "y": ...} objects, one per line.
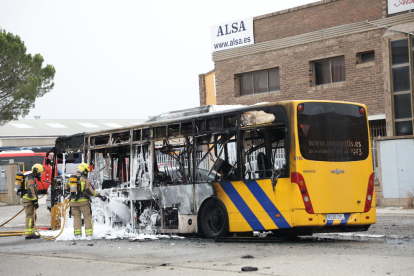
[
  {"x": 210, "y": 89},
  {"x": 207, "y": 88},
  {"x": 10, "y": 196}
]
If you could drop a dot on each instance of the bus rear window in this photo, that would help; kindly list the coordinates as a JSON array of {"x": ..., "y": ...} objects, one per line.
[
  {"x": 332, "y": 132},
  {"x": 28, "y": 161}
]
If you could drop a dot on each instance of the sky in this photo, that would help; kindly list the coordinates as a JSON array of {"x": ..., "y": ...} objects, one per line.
[{"x": 125, "y": 59}]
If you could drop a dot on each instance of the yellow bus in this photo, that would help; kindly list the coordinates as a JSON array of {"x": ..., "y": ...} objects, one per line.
[{"x": 292, "y": 168}]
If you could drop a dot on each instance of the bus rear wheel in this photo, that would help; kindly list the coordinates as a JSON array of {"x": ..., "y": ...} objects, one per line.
[{"x": 214, "y": 219}]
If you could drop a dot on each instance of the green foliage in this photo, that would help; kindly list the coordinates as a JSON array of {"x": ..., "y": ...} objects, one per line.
[{"x": 22, "y": 78}]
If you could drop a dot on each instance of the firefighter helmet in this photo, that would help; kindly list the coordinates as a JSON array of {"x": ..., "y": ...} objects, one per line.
[
  {"x": 84, "y": 168},
  {"x": 38, "y": 169}
]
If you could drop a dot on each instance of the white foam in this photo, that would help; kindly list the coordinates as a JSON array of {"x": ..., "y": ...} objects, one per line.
[
  {"x": 121, "y": 210},
  {"x": 105, "y": 216},
  {"x": 102, "y": 231}
]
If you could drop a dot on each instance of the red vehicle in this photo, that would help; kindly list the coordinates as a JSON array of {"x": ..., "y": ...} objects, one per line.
[{"x": 26, "y": 159}]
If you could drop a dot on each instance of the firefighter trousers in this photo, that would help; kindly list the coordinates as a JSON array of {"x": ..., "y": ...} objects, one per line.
[
  {"x": 29, "y": 210},
  {"x": 85, "y": 210}
]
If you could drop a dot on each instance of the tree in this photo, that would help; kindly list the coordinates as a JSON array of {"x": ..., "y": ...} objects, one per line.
[{"x": 22, "y": 78}]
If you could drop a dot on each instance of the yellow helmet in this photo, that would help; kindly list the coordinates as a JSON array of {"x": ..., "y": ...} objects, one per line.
[
  {"x": 38, "y": 168},
  {"x": 84, "y": 168}
]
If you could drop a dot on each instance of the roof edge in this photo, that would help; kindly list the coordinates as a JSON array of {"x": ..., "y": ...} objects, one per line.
[{"x": 294, "y": 9}]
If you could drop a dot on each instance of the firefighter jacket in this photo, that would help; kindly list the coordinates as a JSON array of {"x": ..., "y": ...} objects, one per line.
[
  {"x": 30, "y": 187},
  {"x": 85, "y": 191}
]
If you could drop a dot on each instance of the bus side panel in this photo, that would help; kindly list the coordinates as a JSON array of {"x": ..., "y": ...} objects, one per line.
[
  {"x": 283, "y": 194},
  {"x": 236, "y": 221},
  {"x": 251, "y": 205},
  {"x": 302, "y": 218},
  {"x": 296, "y": 197},
  {"x": 369, "y": 217}
]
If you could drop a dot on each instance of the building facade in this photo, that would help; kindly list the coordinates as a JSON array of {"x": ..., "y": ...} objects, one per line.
[{"x": 347, "y": 50}]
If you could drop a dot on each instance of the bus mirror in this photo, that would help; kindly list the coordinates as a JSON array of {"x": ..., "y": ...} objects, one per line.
[{"x": 48, "y": 162}]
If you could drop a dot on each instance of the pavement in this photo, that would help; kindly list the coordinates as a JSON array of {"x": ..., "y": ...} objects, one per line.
[
  {"x": 394, "y": 210},
  {"x": 43, "y": 215},
  {"x": 7, "y": 212}
]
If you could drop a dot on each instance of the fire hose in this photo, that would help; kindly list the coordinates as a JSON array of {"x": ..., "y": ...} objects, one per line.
[
  {"x": 65, "y": 208},
  {"x": 21, "y": 233},
  {"x": 12, "y": 233}
]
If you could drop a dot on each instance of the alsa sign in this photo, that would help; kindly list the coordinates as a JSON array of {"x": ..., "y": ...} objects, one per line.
[
  {"x": 232, "y": 34},
  {"x": 395, "y": 6}
]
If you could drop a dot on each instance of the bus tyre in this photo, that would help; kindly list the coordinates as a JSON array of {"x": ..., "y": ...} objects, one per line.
[{"x": 214, "y": 220}]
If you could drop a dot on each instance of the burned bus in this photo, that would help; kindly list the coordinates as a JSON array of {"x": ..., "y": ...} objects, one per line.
[{"x": 293, "y": 168}]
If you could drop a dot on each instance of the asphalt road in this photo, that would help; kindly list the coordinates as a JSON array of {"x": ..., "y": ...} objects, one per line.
[{"x": 386, "y": 249}]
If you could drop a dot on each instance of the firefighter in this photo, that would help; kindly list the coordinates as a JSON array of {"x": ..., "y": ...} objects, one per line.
[
  {"x": 80, "y": 194},
  {"x": 30, "y": 199}
]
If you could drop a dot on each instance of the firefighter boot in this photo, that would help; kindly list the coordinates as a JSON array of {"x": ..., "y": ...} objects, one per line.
[{"x": 32, "y": 237}]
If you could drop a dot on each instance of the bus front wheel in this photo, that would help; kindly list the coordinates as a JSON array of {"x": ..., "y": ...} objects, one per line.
[{"x": 214, "y": 219}]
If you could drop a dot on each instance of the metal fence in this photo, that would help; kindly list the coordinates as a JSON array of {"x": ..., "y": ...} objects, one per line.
[{"x": 377, "y": 129}]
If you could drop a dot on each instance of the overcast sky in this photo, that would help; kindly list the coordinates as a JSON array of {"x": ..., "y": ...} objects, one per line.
[{"x": 124, "y": 59}]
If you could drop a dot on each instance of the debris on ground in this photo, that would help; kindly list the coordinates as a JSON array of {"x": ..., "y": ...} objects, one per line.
[{"x": 249, "y": 268}]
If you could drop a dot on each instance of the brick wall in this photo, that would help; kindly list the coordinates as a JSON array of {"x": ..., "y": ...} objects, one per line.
[
  {"x": 364, "y": 82},
  {"x": 316, "y": 16},
  {"x": 202, "y": 88}
]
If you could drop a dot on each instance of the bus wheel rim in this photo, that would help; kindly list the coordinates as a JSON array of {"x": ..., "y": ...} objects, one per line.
[{"x": 215, "y": 219}]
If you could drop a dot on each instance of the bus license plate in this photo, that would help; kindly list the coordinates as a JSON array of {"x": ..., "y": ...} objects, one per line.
[{"x": 335, "y": 217}]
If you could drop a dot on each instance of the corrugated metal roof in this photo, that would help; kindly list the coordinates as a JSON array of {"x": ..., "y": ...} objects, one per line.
[{"x": 60, "y": 127}]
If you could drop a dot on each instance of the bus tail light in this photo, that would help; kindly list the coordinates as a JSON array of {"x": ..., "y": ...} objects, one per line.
[
  {"x": 370, "y": 193},
  {"x": 298, "y": 179}
]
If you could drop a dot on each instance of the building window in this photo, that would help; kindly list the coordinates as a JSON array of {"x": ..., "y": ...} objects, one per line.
[
  {"x": 259, "y": 82},
  {"x": 401, "y": 86},
  {"x": 329, "y": 70},
  {"x": 365, "y": 56}
]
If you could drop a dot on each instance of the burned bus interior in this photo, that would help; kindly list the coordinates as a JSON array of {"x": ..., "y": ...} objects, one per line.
[{"x": 163, "y": 170}]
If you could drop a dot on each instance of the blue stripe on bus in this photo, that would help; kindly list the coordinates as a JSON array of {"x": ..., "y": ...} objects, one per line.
[
  {"x": 267, "y": 204},
  {"x": 242, "y": 206},
  {"x": 345, "y": 221}
]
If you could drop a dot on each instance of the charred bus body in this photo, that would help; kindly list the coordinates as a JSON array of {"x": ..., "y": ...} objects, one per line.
[{"x": 205, "y": 172}]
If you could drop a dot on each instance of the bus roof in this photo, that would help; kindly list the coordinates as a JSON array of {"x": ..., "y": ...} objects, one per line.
[
  {"x": 193, "y": 113},
  {"x": 69, "y": 142}
]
